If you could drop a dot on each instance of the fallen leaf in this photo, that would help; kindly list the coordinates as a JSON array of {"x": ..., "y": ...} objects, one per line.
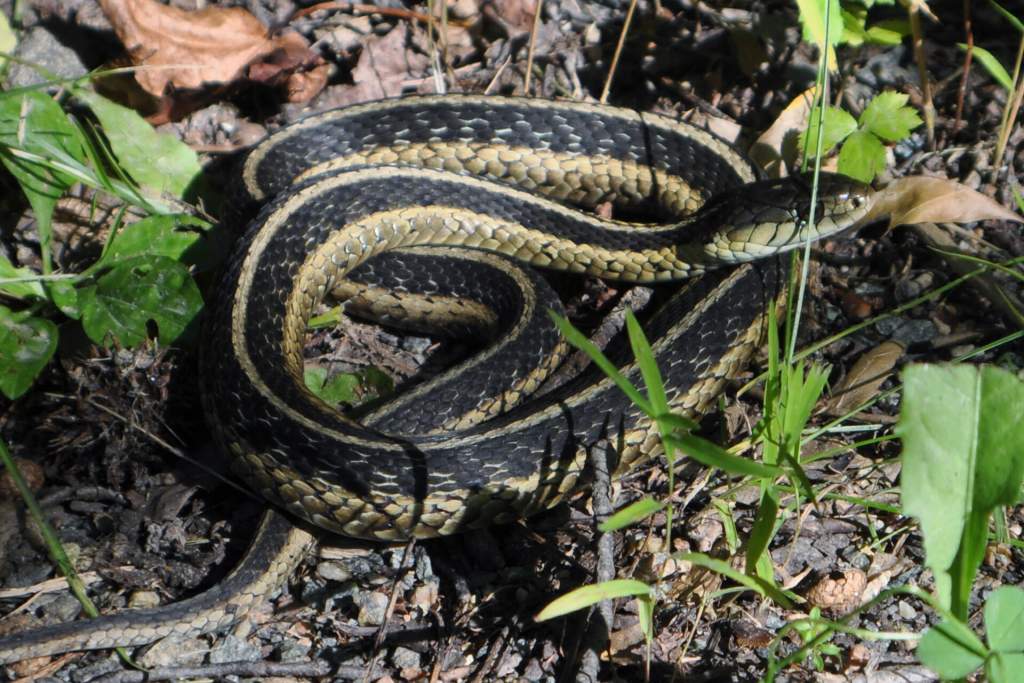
[
  {"x": 861, "y": 383},
  {"x": 515, "y": 15},
  {"x": 211, "y": 46},
  {"x": 386, "y": 63},
  {"x": 777, "y": 146},
  {"x": 935, "y": 200}
]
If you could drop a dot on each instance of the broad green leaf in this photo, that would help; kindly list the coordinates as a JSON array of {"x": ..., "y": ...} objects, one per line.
[
  {"x": 65, "y": 297},
  {"x": 888, "y": 32},
  {"x": 348, "y": 388},
  {"x": 585, "y": 596},
  {"x": 888, "y": 117},
  {"x": 1004, "y": 667},
  {"x": 854, "y": 18},
  {"x": 335, "y": 389},
  {"x": 813, "y": 19},
  {"x": 1004, "y": 619},
  {"x": 632, "y": 513},
  {"x": 951, "y": 650},
  {"x": 124, "y": 300},
  {"x": 176, "y": 236},
  {"x": 838, "y": 125},
  {"x": 862, "y": 156},
  {"x": 962, "y": 445},
  {"x": 992, "y": 65},
  {"x": 34, "y": 123},
  {"x": 26, "y": 346},
  {"x": 712, "y": 455},
  {"x": 20, "y": 288},
  {"x": 754, "y": 583},
  {"x": 155, "y": 160}
]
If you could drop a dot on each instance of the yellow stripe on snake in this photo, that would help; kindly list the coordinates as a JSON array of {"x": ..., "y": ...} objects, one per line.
[{"x": 486, "y": 183}]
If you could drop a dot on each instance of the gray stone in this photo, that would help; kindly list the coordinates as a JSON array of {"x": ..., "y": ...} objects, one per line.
[
  {"x": 39, "y": 46},
  {"x": 372, "y": 608},
  {"x": 234, "y": 649},
  {"x": 174, "y": 651},
  {"x": 404, "y": 658}
]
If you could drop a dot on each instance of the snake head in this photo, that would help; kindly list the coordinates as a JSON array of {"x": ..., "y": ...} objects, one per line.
[{"x": 774, "y": 216}]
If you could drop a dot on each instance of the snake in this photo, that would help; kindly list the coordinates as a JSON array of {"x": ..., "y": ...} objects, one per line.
[{"x": 461, "y": 191}]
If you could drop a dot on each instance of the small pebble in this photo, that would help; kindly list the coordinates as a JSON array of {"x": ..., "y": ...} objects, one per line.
[
  {"x": 372, "y": 608},
  {"x": 234, "y": 649}
]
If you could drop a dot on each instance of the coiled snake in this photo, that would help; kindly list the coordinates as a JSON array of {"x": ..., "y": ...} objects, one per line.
[{"x": 493, "y": 177}]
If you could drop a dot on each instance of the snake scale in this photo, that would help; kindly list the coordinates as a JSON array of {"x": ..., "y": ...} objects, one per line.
[{"x": 476, "y": 188}]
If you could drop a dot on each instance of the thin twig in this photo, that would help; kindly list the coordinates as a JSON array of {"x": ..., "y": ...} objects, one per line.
[
  {"x": 313, "y": 669},
  {"x": 927, "y": 105},
  {"x": 600, "y": 621},
  {"x": 969, "y": 37},
  {"x": 533, "y": 44},
  {"x": 618, "y": 51}
]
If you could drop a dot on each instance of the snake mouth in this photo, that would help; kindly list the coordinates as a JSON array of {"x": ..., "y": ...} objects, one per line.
[{"x": 775, "y": 216}]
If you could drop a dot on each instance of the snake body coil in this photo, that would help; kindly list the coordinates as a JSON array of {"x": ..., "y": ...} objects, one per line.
[{"x": 491, "y": 174}]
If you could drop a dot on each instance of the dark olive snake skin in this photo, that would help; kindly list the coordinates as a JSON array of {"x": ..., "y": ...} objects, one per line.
[{"x": 484, "y": 183}]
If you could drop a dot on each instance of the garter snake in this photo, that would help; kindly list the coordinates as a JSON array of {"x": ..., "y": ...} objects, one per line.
[{"x": 480, "y": 173}]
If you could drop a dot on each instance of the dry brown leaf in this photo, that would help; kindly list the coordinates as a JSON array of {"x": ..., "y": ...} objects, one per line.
[
  {"x": 192, "y": 50},
  {"x": 864, "y": 378},
  {"x": 777, "y": 146},
  {"x": 935, "y": 200},
  {"x": 515, "y": 15},
  {"x": 386, "y": 63}
]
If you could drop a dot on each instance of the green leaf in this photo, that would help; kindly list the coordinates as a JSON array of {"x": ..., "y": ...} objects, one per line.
[
  {"x": 1004, "y": 667},
  {"x": 8, "y": 40},
  {"x": 19, "y": 290},
  {"x": 26, "y": 346},
  {"x": 577, "y": 339},
  {"x": 172, "y": 235},
  {"x": 888, "y": 32},
  {"x": 34, "y": 123},
  {"x": 754, "y": 583},
  {"x": 713, "y": 455},
  {"x": 124, "y": 300},
  {"x": 763, "y": 530},
  {"x": 648, "y": 365},
  {"x": 632, "y": 513},
  {"x": 951, "y": 650},
  {"x": 862, "y": 156},
  {"x": 813, "y": 20},
  {"x": 962, "y": 445},
  {"x": 155, "y": 160},
  {"x": 585, "y": 596},
  {"x": 887, "y": 116},
  {"x": 992, "y": 65},
  {"x": 65, "y": 297},
  {"x": 645, "y": 615},
  {"x": 838, "y": 125},
  {"x": 1014, "y": 21},
  {"x": 1004, "y": 619},
  {"x": 334, "y": 390},
  {"x": 674, "y": 421}
]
